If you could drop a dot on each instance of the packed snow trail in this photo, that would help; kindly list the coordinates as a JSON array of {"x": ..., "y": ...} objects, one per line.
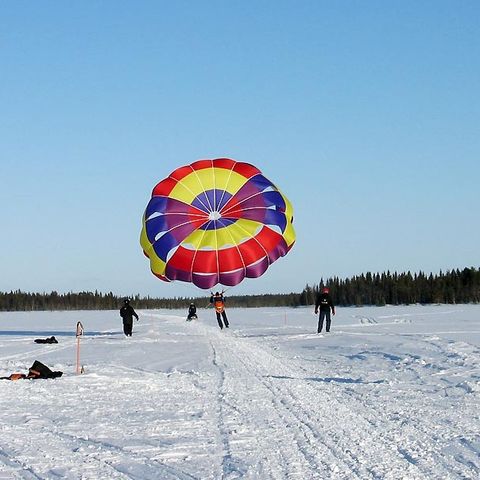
[
  {"x": 303, "y": 425},
  {"x": 379, "y": 399}
]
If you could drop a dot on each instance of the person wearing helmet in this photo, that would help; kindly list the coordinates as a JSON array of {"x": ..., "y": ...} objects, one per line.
[
  {"x": 192, "y": 312},
  {"x": 324, "y": 303},
  {"x": 127, "y": 313},
  {"x": 218, "y": 302}
]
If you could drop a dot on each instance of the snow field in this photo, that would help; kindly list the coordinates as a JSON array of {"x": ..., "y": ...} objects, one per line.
[{"x": 392, "y": 393}]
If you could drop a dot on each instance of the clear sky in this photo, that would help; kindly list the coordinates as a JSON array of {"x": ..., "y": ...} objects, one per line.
[{"x": 366, "y": 114}]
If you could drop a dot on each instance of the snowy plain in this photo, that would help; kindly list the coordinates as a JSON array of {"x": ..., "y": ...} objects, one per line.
[{"x": 390, "y": 393}]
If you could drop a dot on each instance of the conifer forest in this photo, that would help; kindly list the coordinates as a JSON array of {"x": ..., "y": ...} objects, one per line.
[{"x": 387, "y": 288}]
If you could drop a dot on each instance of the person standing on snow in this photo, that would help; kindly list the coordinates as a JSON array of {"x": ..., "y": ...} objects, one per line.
[
  {"x": 218, "y": 302},
  {"x": 127, "y": 313},
  {"x": 325, "y": 304}
]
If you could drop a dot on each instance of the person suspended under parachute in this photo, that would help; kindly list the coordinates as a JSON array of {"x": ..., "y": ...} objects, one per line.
[{"x": 218, "y": 301}]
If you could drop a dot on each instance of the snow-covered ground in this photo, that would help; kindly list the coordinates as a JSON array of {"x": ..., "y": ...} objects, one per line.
[{"x": 390, "y": 393}]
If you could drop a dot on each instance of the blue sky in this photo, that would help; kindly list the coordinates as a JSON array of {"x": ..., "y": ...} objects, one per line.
[{"x": 365, "y": 114}]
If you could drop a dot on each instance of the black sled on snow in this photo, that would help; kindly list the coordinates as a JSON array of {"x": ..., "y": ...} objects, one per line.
[{"x": 46, "y": 340}]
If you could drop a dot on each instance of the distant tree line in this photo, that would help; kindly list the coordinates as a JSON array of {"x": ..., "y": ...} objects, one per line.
[
  {"x": 22, "y": 301},
  {"x": 455, "y": 286}
]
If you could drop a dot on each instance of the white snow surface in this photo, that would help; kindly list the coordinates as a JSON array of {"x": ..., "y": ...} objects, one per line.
[{"x": 389, "y": 393}]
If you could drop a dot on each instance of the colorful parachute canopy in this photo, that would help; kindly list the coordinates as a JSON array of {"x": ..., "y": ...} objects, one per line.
[{"x": 216, "y": 222}]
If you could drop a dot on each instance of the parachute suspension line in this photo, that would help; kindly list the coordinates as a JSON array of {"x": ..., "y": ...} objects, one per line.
[
  {"x": 232, "y": 207},
  {"x": 215, "y": 216},
  {"x": 176, "y": 248},
  {"x": 254, "y": 238},
  {"x": 238, "y": 249},
  {"x": 227, "y": 182},
  {"x": 187, "y": 286},
  {"x": 189, "y": 190},
  {"x": 215, "y": 206},
  {"x": 200, "y": 214},
  {"x": 216, "y": 252},
  {"x": 208, "y": 207},
  {"x": 196, "y": 250},
  {"x": 237, "y": 208},
  {"x": 171, "y": 230}
]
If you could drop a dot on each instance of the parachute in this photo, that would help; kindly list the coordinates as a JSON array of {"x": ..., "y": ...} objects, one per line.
[{"x": 216, "y": 222}]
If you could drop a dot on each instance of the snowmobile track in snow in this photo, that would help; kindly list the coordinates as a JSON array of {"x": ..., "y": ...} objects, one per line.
[
  {"x": 292, "y": 422},
  {"x": 313, "y": 417}
]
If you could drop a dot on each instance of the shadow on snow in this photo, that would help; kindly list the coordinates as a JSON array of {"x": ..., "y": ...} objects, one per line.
[
  {"x": 327, "y": 379},
  {"x": 55, "y": 333}
]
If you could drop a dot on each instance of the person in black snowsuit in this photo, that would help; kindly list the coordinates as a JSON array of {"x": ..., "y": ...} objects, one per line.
[
  {"x": 218, "y": 302},
  {"x": 127, "y": 313},
  {"x": 192, "y": 312},
  {"x": 325, "y": 304}
]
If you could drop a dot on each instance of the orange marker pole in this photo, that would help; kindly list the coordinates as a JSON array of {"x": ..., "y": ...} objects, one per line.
[{"x": 78, "y": 334}]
